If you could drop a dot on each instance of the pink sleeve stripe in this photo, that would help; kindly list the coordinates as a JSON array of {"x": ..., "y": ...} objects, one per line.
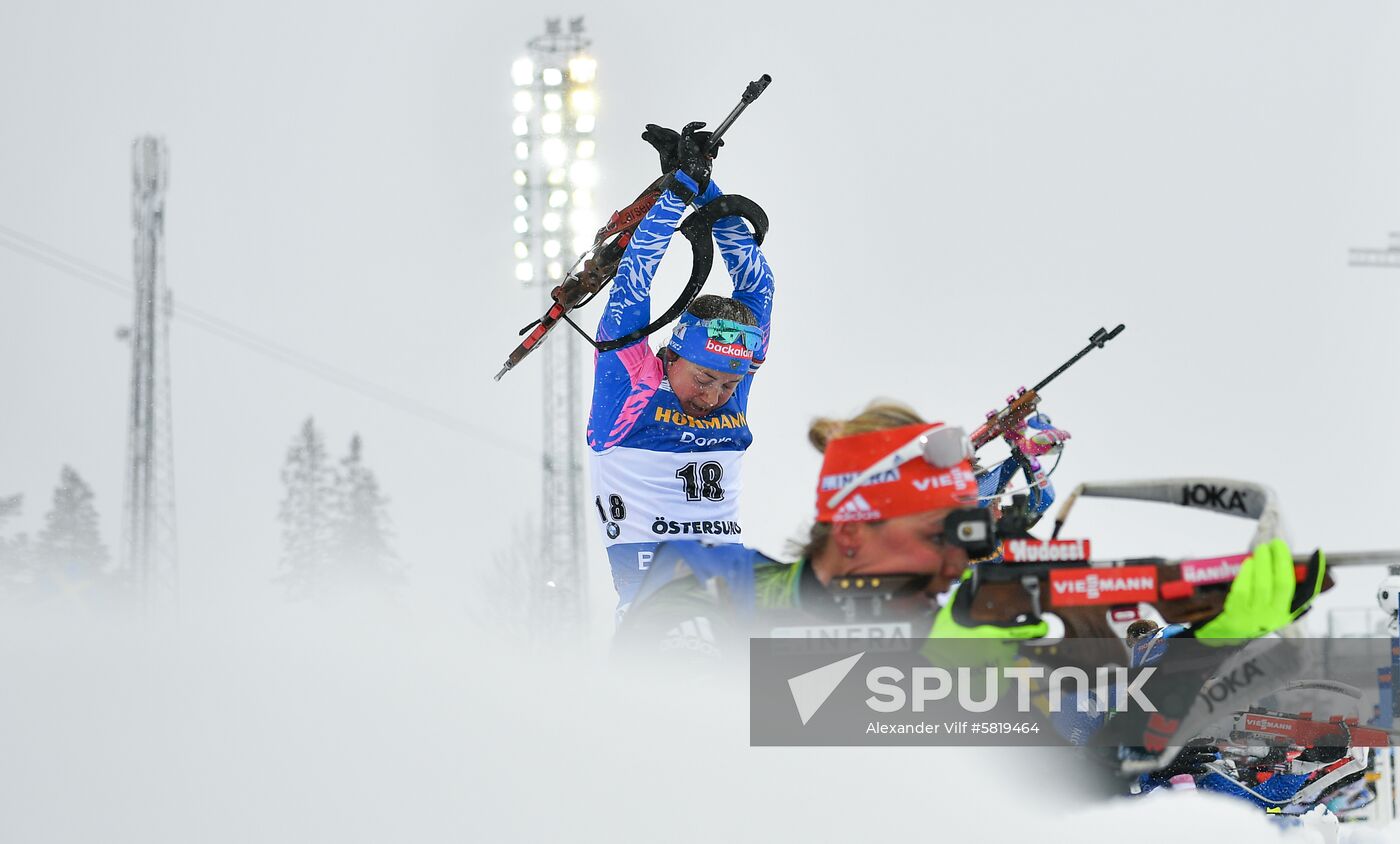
[
  {"x": 644, "y": 368},
  {"x": 642, "y": 364}
]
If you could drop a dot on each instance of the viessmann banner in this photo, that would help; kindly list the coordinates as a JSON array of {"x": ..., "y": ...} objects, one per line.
[{"x": 960, "y": 692}]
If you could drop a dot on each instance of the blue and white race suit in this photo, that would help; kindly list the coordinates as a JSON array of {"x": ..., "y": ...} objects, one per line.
[{"x": 659, "y": 473}]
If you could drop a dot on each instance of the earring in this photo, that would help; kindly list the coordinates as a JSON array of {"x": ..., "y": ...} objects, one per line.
[{"x": 850, "y": 552}]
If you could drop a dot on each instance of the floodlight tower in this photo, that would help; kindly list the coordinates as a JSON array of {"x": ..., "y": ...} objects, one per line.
[
  {"x": 555, "y": 109},
  {"x": 149, "y": 533},
  {"x": 1360, "y": 256}
]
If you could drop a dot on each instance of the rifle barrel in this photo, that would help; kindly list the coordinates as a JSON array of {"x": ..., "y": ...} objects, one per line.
[
  {"x": 751, "y": 93},
  {"x": 1095, "y": 342}
]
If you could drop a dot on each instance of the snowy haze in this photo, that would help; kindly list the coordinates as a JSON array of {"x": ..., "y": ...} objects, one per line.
[{"x": 959, "y": 194}]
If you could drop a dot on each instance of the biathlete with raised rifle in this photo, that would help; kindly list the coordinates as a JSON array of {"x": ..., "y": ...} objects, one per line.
[{"x": 668, "y": 429}]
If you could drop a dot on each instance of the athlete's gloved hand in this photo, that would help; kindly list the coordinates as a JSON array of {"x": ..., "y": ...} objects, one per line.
[
  {"x": 692, "y": 162},
  {"x": 1265, "y": 596},
  {"x": 1192, "y": 759},
  {"x": 666, "y": 142},
  {"x": 693, "y": 154}
]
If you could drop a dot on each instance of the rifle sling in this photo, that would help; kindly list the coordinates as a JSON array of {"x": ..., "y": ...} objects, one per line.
[{"x": 698, "y": 229}]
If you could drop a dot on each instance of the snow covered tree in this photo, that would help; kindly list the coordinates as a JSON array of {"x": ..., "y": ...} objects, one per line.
[
  {"x": 335, "y": 522},
  {"x": 15, "y": 559},
  {"x": 306, "y": 513},
  {"x": 10, "y": 507},
  {"x": 71, "y": 542},
  {"x": 360, "y": 527}
]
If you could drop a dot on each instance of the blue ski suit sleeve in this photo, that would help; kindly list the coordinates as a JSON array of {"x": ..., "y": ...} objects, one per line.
[
  {"x": 625, "y": 380},
  {"x": 753, "y": 279},
  {"x": 629, "y": 301}
]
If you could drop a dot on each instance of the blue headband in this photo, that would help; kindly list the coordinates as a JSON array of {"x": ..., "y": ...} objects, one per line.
[{"x": 719, "y": 344}]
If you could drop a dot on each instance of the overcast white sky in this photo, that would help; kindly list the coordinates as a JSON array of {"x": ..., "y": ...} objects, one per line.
[{"x": 959, "y": 192}]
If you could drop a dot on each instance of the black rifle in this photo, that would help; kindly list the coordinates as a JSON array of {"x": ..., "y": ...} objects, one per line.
[{"x": 596, "y": 267}]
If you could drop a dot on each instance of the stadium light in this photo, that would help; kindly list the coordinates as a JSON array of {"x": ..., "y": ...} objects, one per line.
[
  {"x": 555, "y": 113},
  {"x": 582, "y": 69},
  {"x": 556, "y": 67}
]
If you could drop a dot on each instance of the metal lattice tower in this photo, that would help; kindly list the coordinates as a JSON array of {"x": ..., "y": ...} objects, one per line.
[
  {"x": 555, "y": 176},
  {"x": 1360, "y": 256},
  {"x": 149, "y": 533}
]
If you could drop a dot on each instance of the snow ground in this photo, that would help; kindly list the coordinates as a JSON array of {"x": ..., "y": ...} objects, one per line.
[{"x": 326, "y": 727}]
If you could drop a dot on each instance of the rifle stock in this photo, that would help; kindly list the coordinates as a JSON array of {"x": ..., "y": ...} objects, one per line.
[
  {"x": 1084, "y": 595},
  {"x": 1008, "y": 420}
]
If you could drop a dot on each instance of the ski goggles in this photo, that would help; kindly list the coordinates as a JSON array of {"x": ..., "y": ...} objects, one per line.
[
  {"x": 729, "y": 331},
  {"x": 719, "y": 344},
  {"x": 919, "y": 468}
]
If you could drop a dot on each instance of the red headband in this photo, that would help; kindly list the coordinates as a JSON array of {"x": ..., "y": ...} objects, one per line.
[{"x": 915, "y": 486}]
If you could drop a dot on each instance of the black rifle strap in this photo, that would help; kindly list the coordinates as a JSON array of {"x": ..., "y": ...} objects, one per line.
[{"x": 698, "y": 229}]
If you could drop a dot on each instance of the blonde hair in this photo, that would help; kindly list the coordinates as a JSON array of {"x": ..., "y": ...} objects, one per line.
[{"x": 879, "y": 415}]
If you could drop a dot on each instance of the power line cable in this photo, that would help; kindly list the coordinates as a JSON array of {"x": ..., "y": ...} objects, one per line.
[{"x": 112, "y": 282}]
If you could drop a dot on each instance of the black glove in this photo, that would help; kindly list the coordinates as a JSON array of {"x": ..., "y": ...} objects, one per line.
[
  {"x": 664, "y": 141},
  {"x": 1191, "y": 760},
  {"x": 688, "y": 150}
]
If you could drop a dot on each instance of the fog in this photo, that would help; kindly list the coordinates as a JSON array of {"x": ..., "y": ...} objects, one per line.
[
  {"x": 959, "y": 194},
  {"x": 354, "y": 726}
]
